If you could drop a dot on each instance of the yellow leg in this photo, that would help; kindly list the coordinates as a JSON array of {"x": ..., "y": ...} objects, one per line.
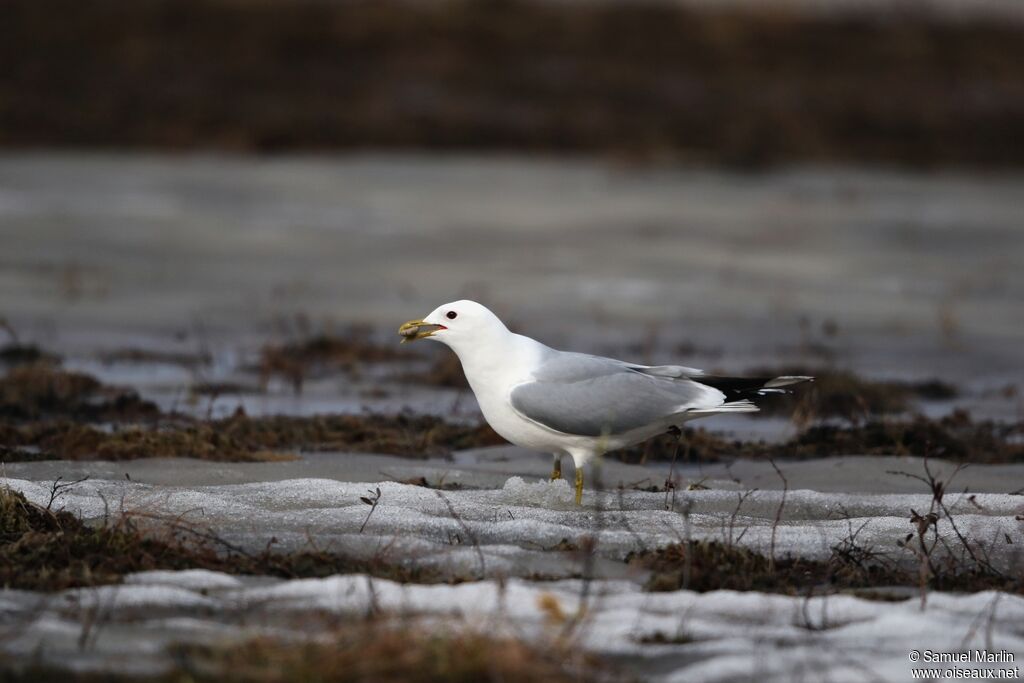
[
  {"x": 556, "y": 473},
  {"x": 579, "y": 485}
]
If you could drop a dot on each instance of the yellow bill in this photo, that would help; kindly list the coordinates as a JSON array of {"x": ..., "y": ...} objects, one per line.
[{"x": 418, "y": 329}]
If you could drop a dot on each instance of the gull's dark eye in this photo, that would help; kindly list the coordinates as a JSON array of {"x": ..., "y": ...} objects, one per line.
[{"x": 451, "y": 315}]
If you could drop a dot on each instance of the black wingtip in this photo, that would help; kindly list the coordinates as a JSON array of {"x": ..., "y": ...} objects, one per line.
[{"x": 740, "y": 386}]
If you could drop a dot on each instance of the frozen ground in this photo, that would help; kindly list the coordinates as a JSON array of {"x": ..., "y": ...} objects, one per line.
[
  {"x": 514, "y": 530},
  {"x": 512, "y": 524},
  {"x": 728, "y": 636}
]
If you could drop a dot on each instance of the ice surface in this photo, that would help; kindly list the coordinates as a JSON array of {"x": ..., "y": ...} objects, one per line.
[{"x": 527, "y": 526}]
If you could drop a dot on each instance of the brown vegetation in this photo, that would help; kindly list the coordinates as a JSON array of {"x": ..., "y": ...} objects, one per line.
[
  {"x": 23, "y": 354},
  {"x": 375, "y": 650},
  {"x": 741, "y": 86},
  {"x": 242, "y": 438},
  {"x": 45, "y": 413},
  {"x": 385, "y": 652},
  {"x": 954, "y": 437},
  {"x": 38, "y": 390},
  {"x": 67, "y": 440},
  {"x": 712, "y": 565}
]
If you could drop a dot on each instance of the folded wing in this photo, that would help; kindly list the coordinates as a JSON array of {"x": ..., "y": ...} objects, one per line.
[{"x": 591, "y": 396}]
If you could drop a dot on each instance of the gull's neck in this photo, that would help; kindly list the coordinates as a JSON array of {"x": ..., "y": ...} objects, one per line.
[{"x": 498, "y": 357}]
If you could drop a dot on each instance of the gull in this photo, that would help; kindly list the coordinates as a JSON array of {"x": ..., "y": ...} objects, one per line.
[{"x": 576, "y": 404}]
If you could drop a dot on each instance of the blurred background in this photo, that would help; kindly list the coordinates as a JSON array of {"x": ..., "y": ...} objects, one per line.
[
  {"x": 215, "y": 214},
  {"x": 717, "y": 182}
]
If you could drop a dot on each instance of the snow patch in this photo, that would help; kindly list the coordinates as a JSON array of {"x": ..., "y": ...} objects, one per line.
[
  {"x": 548, "y": 494},
  {"x": 191, "y": 579}
]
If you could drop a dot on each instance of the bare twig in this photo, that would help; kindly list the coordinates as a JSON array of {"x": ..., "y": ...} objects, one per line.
[
  {"x": 732, "y": 518},
  {"x": 778, "y": 515},
  {"x": 469, "y": 532},
  {"x": 670, "y": 483},
  {"x": 58, "y": 489},
  {"x": 372, "y": 501}
]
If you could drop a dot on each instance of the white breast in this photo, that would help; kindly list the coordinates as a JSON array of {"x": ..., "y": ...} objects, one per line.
[{"x": 493, "y": 371}]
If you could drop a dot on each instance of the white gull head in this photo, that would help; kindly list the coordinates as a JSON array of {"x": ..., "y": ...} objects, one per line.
[{"x": 461, "y": 325}]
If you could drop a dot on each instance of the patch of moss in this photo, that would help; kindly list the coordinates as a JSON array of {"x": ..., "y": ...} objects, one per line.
[
  {"x": 74, "y": 441},
  {"x": 955, "y": 437},
  {"x": 242, "y": 438},
  {"x": 712, "y": 565},
  {"x": 30, "y": 392},
  {"x": 25, "y": 354},
  {"x": 700, "y": 566}
]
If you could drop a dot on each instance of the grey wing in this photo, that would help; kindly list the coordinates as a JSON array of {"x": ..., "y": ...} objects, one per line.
[
  {"x": 563, "y": 366},
  {"x": 592, "y": 396}
]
